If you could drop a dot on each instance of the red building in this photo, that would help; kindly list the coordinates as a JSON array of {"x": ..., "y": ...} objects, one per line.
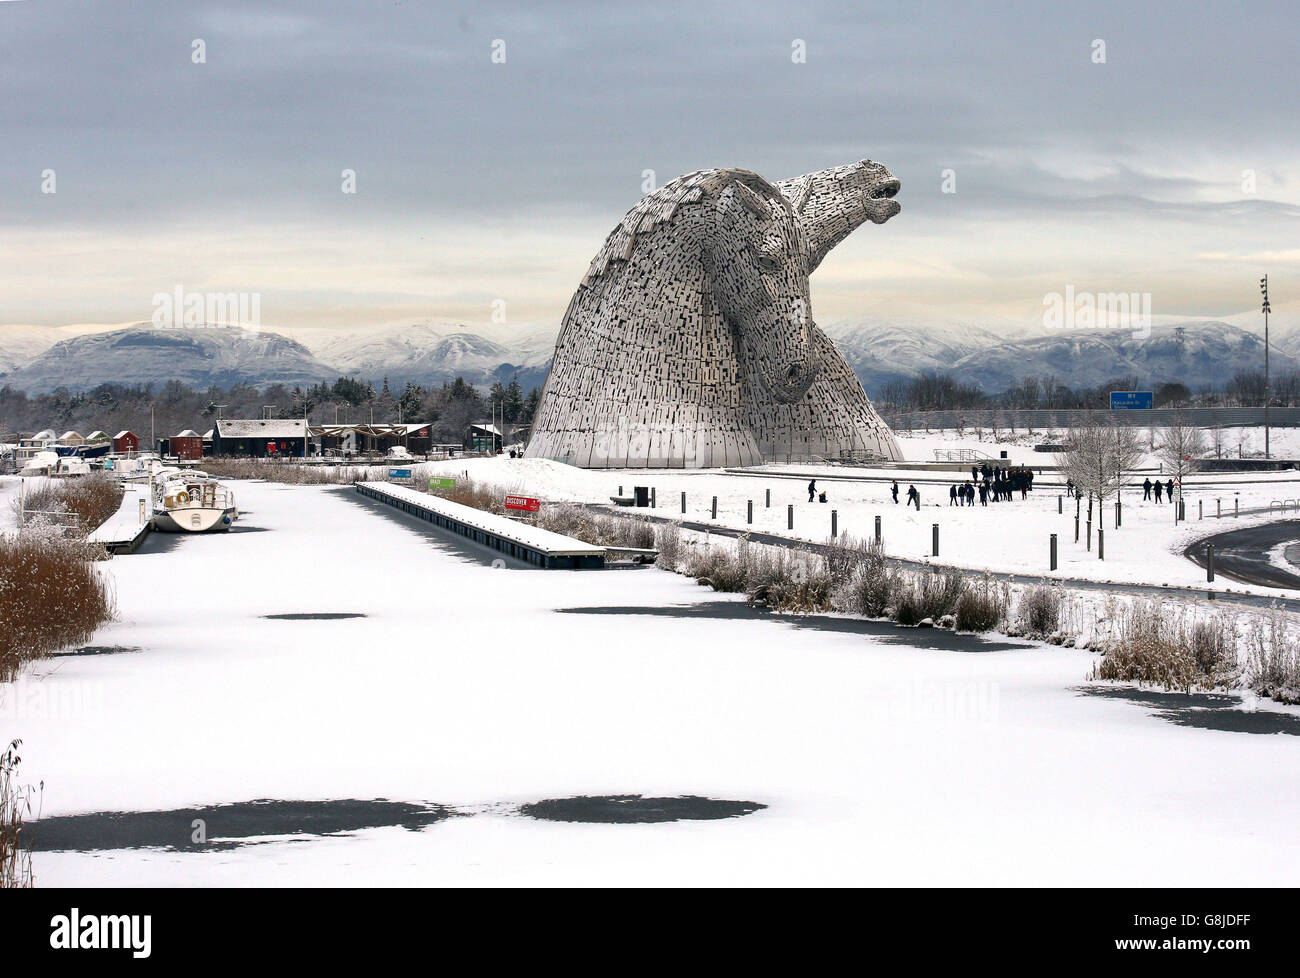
[
  {"x": 187, "y": 445},
  {"x": 126, "y": 441}
]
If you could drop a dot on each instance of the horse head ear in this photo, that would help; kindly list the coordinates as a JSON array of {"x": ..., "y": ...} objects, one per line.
[{"x": 753, "y": 202}]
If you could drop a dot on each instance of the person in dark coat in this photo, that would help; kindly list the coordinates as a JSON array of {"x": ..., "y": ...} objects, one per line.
[
  {"x": 1169, "y": 489},
  {"x": 1146, "y": 488},
  {"x": 893, "y": 491},
  {"x": 974, "y": 473},
  {"x": 984, "y": 494},
  {"x": 952, "y": 495},
  {"x": 914, "y": 497},
  {"x": 812, "y": 490},
  {"x": 1160, "y": 488}
]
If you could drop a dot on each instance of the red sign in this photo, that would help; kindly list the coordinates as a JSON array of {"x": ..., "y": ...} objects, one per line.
[{"x": 526, "y": 503}]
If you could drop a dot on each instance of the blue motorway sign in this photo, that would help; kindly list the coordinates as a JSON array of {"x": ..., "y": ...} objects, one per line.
[{"x": 1132, "y": 399}]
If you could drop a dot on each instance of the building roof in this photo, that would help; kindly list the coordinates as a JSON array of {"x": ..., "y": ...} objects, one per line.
[
  {"x": 261, "y": 428},
  {"x": 46, "y": 435},
  {"x": 69, "y": 434},
  {"x": 123, "y": 433},
  {"x": 187, "y": 433},
  {"x": 97, "y": 436}
]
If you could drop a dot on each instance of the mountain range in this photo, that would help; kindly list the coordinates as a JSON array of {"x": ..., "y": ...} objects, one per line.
[{"x": 41, "y": 359}]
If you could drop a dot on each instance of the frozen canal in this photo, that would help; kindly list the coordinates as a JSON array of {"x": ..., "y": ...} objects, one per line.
[{"x": 425, "y": 703}]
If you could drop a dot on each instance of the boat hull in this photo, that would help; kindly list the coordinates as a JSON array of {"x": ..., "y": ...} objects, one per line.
[{"x": 194, "y": 519}]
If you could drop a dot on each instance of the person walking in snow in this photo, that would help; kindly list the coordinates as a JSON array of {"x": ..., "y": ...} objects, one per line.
[
  {"x": 812, "y": 490},
  {"x": 1146, "y": 488},
  {"x": 1169, "y": 490},
  {"x": 914, "y": 497},
  {"x": 952, "y": 494},
  {"x": 893, "y": 491},
  {"x": 1159, "y": 490}
]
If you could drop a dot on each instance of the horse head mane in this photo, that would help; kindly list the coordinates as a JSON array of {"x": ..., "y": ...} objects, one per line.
[{"x": 661, "y": 207}]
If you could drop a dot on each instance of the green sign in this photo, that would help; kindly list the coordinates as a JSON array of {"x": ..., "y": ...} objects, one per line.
[{"x": 442, "y": 483}]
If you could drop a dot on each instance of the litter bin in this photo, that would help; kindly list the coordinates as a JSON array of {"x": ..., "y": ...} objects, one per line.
[{"x": 642, "y": 494}]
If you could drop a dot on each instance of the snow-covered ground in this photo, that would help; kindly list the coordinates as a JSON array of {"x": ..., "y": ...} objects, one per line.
[
  {"x": 880, "y": 761},
  {"x": 1006, "y": 537}
]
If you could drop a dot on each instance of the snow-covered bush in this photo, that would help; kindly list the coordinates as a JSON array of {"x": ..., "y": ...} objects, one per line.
[
  {"x": 15, "y": 805},
  {"x": 931, "y": 595},
  {"x": 1172, "y": 646},
  {"x": 51, "y": 594},
  {"x": 86, "y": 502},
  {"x": 668, "y": 540},
  {"x": 873, "y": 587},
  {"x": 1273, "y": 658},
  {"x": 1039, "y": 610},
  {"x": 982, "y": 606}
]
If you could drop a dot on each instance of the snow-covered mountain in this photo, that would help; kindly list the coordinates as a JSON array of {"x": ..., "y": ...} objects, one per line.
[
  {"x": 373, "y": 352},
  {"x": 880, "y": 352},
  {"x": 22, "y": 344},
  {"x": 145, "y": 354},
  {"x": 1194, "y": 354}
]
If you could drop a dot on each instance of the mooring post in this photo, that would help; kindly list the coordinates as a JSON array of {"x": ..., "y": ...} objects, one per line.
[
  {"x": 749, "y": 511},
  {"x": 1209, "y": 562},
  {"x": 835, "y": 523},
  {"x": 1052, "y": 554},
  {"x": 934, "y": 539},
  {"x": 1101, "y": 543},
  {"x": 789, "y": 517},
  {"x": 715, "y": 507},
  {"x": 877, "y": 530}
]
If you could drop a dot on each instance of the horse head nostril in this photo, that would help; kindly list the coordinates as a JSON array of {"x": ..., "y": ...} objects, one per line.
[
  {"x": 792, "y": 372},
  {"x": 887, "y": 189}
]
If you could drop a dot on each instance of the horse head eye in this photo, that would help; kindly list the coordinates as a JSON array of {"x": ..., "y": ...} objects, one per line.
[{"x": 767, "y": 262}]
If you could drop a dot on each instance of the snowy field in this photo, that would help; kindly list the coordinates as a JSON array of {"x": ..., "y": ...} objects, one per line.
[
  {"x": 1005, "y": 537},
  {"x": 879, "y": 760}
]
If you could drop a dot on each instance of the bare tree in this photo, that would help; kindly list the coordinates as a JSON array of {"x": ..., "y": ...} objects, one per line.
[
  {"x": 1180, "y": 446},
  {"x": 1097, "y": 457}
]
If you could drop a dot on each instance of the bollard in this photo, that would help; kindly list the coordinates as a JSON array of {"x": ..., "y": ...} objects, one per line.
[
  {"x": 1076, "y": 527},
  {"x": 1119, "y": 517},
  {"x": 749, "y": 511},
  {"x": 1200, "y": 509},
  {"x": 934, "y": 539},
  {"x": 1182, "y": 510},
  {"x": 653, "y": 502},
  {"x": 683, "y": 504},
  {"x": 769, "y": 499},
  {"x": 877, "y": 531},
  {"x": 835, "y": 524},
  {"x": 789, "y": 516},
  {"x": 1218, "y": 509},
  {"x": 620, "y": 490},
  {"x": 1060, "y": 504},
  {"x": 1209, "y": 562},
  {"x": 715, "y": 507},
  {"x": 1101, "y": 543},
  {"x": 1051, "y": 562},
  {"x": 1088, "y": 536},
  {"x": 1236, "y": 505}
]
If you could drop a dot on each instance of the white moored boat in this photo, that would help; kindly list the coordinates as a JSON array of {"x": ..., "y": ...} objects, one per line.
[{"x": 192, "y": 502}]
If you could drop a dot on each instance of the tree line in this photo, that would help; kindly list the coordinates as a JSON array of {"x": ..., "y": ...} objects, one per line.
[
  {"x": 173, "y": 406},
  {"x": 938, "y": 391}
]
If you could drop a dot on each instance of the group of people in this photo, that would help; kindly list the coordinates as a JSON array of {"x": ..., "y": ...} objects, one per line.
[
  {"x": 992, "y": 484},
  {"x": 1160, "y": 489},
  {"x": 913, "y": 497}
]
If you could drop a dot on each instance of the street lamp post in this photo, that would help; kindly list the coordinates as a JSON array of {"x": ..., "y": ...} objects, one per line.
[{"x": 1263, "y": 288}]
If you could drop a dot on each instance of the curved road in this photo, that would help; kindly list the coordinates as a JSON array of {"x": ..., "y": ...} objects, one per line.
[{"x": 1242, "y": 555}]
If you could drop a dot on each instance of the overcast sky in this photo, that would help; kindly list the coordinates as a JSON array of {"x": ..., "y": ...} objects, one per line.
[{"x": 479, "y": 181}]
